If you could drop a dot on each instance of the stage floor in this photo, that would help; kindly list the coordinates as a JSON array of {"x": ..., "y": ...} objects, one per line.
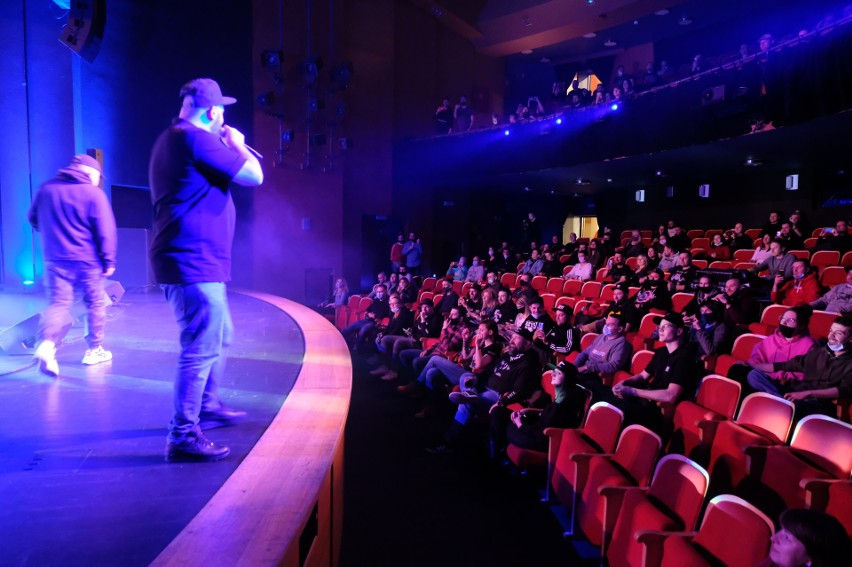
[{"x": 82, "y": 475}]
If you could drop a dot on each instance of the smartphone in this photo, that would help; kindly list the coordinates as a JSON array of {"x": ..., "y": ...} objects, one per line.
[{"x": 828, "y": 230}]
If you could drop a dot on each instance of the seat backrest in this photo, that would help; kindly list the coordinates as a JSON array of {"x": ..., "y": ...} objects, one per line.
[
  {"x": 602, "y": 275},
  {"x": 587, "y": 340},
  {"x": 547, "y": 385},
  {"x": 832, "y": 275},
  {"x": 744, "y": 345},
  {"x": 711, "y": 232},
  {"x": 539, "y": 283},
  {"x": 364, "y": 303},
  {"x": 424, "y": 295},
  {"x": 580, "y": 304},
  {"x": 730, "y": 519},
  {"x": 591, "y": 290},
  {"x": 637, "y": 451},
  {"x": 702, "y": 242},
  {"x": 606, "y": 292},
  {"x": 743, "y": 254},
  {"x": 823, "y": 258},
  {"x": 631, "y": 262},
  {"x": 465, "y": 288},
  {"x": 720, "y": 394},
  {"x": 680, "y": 300},
  {"x": 429, "y": 284},
  {"x": 700, "y": 264},
  {"x": 681, "y": 485},
  {"x": 772, "y": 314},
  {"x": 508, "y": 279},
  {"x": 565, "y": 300},
  {"x": 846, "y": 261},
  {"x": 720, "y": 265},
  {"x": 603, "y": 422},
  {"x": 457, "y": 287},
  {"x": 820, "y": 323},
  {"x": 827, "y": 442},
  {"x": 354, "y": 300},
  {"x": 695, "y": 233},
  {"x": 770, "y": 414},
  {"x": 572, "y": 287},
  {"x": 801, "y": 254},
  {"x": 554, "y": 286},
  {"x": 753, "y": 232},
  {"x": 647, "y": 326},
  {"x": 640, "y": 360}
]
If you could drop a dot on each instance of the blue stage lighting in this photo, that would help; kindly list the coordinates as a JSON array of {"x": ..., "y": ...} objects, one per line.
[
  {"x": 28, "y": 282},
  {"x": 505, "y": 132},
  {"x": 615, "y": 106},
  {"x": 559, "y": 121}
]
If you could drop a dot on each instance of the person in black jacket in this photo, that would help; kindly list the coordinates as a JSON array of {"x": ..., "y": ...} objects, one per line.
[{"x": 525, "y": 427}]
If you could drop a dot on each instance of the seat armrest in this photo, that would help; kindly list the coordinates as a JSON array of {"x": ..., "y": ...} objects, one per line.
[
  {"x": 653, "y": 540},
  {"x": 755, "y": 459},
  {"x": 816, "y": 491}
]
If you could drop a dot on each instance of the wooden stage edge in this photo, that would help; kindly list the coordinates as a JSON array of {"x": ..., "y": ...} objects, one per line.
[{"x": 284, "y": 503}]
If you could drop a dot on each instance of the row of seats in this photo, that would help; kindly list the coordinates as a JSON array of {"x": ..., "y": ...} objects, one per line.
[{"x": 641, "y": 511}]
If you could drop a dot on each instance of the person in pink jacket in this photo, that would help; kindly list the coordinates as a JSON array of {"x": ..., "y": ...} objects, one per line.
[{"x": 790, "y": 339}]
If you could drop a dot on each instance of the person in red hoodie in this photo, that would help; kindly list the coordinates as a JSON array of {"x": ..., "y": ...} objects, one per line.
[{"x": 803, "y": 288}]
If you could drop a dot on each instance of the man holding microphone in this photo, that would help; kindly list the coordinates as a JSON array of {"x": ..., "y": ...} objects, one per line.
[{"x": 192, "y": 164}]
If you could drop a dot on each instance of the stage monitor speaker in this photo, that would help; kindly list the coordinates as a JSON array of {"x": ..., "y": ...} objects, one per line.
[
  {"x": 21, "y": 337},
  {"x": 84, "y": 29}
]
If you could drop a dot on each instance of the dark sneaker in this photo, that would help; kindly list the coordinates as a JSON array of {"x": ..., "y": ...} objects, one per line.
[
  {"x": 463, "y": 397},
  {"x": 440, "y": 450},
  {"x": 220, "y": 417},
  {"x": 195, "y": 448}
]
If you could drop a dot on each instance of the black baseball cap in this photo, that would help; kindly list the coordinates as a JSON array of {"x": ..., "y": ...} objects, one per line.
[{"x": 205, "y": 93}]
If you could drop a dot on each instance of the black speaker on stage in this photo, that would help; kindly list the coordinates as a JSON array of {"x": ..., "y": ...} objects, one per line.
[
  {"x": 84, "y": 29},
  {"x": 21, "y": 337}
]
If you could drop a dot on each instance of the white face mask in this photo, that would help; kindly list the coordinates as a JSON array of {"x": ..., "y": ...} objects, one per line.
[{"x": 835, "y": 348}]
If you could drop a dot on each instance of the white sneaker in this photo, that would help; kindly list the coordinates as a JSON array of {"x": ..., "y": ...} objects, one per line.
[
  {"x": 96, "y": 355},
  {"x": 45, "y": 354}
]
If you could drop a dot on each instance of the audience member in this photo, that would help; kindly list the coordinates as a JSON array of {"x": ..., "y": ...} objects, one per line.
[
  {"x": 803, "y": 288},
  {"x": 532, "y": 266},
  {"x": 338, "y": 298},
  {"x": 791, "y": 338},
  {"x": 413, "y": 251},
  {"x": 463, "y": 115},
  {"x": 684, "y": 274},
  {"x": 773, "y": 227},
  {"x": 551, "y": 266},
  {"x": 740, "y": 308},
  {"x": 396, "y": 257},
  {"x": 827, "y": 373},
  {"x": 449, "y": 298},
  {"x": 653, "y": 294},
  {"x": 634, "y": 247},
  {"x": 444, "y": 118},
  {"x": 719, "y": 249},
  {"x": 473, "y": 301},
  {"x": 506, "y": 311},
  {"x": 560, "y": 338},
  {"x": 360, "y": 332},
  {"x": 476, "y": 272},
  {"x": 762, "y": 252},
  {"x": 837, "y": 238},
  {"x": 618, "y": 270},
  {"x": 538, "y": 319},
  {"x": 449, "y": 342},
  {"x": 608, "y": 353},
  {"x": 669, "y": 259},
  {"x": 779, "y": 263},
  {"x": 839, "y": 298},
  {"x": 457, "y": 270},
  {"x": 595, "y": 255},
  {"x": 709, "y": 332},
  {"x": 426, "y": 325},
  {"x": 582, "y": 270},
  {"x": 808, "y": 538},
  {"x": 738, "y": 239},
  {"x": 381, "y": 280}
]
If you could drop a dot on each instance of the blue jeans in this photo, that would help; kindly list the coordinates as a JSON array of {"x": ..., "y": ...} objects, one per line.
[
  {"x": 487, "y": 398},
  {"x": 439, "y": 366},
  {"x": 761, "y": 382},
  {"x": 60, "y": 279},
  {"x": 206, "y": 330}
]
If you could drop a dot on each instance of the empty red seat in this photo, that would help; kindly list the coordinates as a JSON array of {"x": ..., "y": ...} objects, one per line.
[{"x": 695, "y": 422}]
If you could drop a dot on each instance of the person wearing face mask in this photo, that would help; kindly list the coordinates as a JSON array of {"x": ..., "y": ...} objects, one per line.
[
  {"x": 458, "y": 270},
  {"x": 808, "y": 538},
  {"x": 449, "y": 342},
  {"x": 803, "y": 288},
  {"x": 791, "y": 338},
  {"x": 476, "y": 272},
  {"x": 653, "y": 294},
  {"x": 827, "y": 373},
  {"x": 582, "y": 270},
  {"x": 608, "y": 353},
  {"x": 704, "y": 292},
  {"x": 492, "y": 282},
  {"x": 449, "y": 298},
  {"x": 708, "y": 332}
]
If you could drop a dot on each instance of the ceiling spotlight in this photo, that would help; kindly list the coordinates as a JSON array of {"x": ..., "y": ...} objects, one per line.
[
  {"x": 609, "y": 179},
  {"x": 659, "y": 173},
  {"x": 544, "y": 59},
  {"x": 527, "y": 52},
  {"x": 684, "y": 20},
  {"x": 610, "y": 43},
  {"x": 635, "y": 22},
  {"x": 506, "y": 132},
  {"x": 559, "y": 121},
  {"x": 590, "y": 35},
  {"x": 751, "y": 162},
  {"x": 526, "y": 189},
  {"x": 663, "y": 12},
  {"x": 552, "y": 191},
  {"x": 437, "y": 11}
]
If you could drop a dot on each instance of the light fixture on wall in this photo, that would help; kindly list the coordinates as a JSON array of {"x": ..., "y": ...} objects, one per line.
[
  {"x": 640, "y": 195},
  {"x": 704, "y": 191},
  {"x": 792, "y": 182}
]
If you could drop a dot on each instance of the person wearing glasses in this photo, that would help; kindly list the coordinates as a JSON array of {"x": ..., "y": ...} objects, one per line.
[{"x": 827, "y": 373}]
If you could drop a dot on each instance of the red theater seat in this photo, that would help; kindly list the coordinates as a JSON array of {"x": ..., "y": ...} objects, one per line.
[{"x": 695, "y": 422}]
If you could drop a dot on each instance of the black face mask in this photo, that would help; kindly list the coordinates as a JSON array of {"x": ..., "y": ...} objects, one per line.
[{"x": 787, "y": 332}]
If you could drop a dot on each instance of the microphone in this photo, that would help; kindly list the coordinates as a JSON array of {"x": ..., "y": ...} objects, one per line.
[{"x": 256, "y": 153}]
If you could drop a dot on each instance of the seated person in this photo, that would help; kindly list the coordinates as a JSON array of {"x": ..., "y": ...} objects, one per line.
[
  {"x": 773, "y": 227},
  {"x": 719, "y": 249},
  {"x": 738, "y": 239},
  {"x": 618, "y": 270},
  {"x": 762, "y": 252},
  {"x": 835, "y": 239},
  {"x": 473, "y": 301},
  {"x": 551, "y": 266},
  {"x": 803, "y": 288},
  {"x": 669, "y": 377},
  {"x": 791, "y": 240},
  {"x": 791, "y": 338},
  {"x": 582, "y": 270},
  {"x": 595, "y": 255},
  {"x": 506, "y": 311},
  {"x": 608, "y": 353},
  {"x": 525, "y": 428},
  {"x": 560, "y": 338},
  {"x": 516, "y": 376},
  {"x": 476, "y": 272},
  {"x": 538, "y": 319},
  {"x": 360, "y": 332},
  {"x": 449, "y": 298},
  {"x": 426, "y": 324},
  {"x": 678, "y": 239},
  {"x": 449, "y": 342},
  {"x": 634, "y": 247},
  {"x": 684, "y": 274},
  {"x": 621, "y": 305},
  {"x": 808, "y": 538},
  {"x": 525, "y": 289},
  {"x": 338, "y": 298},
  {"x": 486, "y": 308},
  {"x": 740, "y": 308},
  {"x": 405, "y": 291},
  {"x": 839, "y": 298},
  {"x": 381, "y": 279},
  {"x": 669, "y": 259},
  {"x": 505, "y": 262},
  {"x": 493, "y": 282},
  {"x": 640, "y": 274},
  {"x": 653, "y": 294},
  {"x": 457, "y": 270},
  {"x": 827, "y": 373},
  {"x": 778, "y": 263},
  {"x": 532, "y": 266},
  {"x": 709, "y": 332},
  {"x": 704, "y": 292}
]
